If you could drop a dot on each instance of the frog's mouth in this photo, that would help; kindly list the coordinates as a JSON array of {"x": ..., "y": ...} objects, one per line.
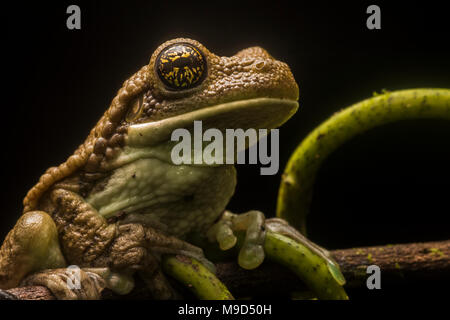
[{"x": 257, "y": 113}]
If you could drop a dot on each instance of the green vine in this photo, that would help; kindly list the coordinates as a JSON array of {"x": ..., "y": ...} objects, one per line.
[{"x": 297, "y": 182}]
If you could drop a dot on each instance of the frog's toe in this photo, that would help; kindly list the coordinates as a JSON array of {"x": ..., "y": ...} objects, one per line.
[
  {"x": 224, "y": 234},
  {"x": 120, "y": 283},
  {"x": 251, "y": 254}
]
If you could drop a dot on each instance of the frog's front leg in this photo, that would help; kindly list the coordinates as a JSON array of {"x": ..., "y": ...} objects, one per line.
[
  {"x": 152, "y": 244},
  {"x": 281, "y": 243},
  {"x": 255, "y": 226}
]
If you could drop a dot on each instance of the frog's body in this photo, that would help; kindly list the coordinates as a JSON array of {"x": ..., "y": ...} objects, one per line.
[
  {"x": 190, "y": 199},
  {"x": 118, "y": 201}
]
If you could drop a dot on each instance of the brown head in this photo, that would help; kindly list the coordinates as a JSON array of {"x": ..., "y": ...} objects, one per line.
[{"x": 183, "y": 82}]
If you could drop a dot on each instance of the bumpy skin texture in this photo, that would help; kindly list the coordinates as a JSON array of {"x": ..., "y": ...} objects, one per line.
[
  {"x": 116, "y": 205},
  {"x": 251, "y": 73}
]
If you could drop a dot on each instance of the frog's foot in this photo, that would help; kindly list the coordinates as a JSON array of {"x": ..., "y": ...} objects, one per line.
[
  {"x": 141, "y": 248},
  {"x": 133, "y": 236},
  {"x": 68, "y": 283},
  {"x": 255, "y": 225},
  {"x": 251, "y": 254},
  {"x": 280, "y": 242}
]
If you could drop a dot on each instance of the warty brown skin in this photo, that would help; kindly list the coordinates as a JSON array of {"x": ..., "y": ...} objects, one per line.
[
  {"x": 86, "y": 238},
  {"x": 248, "y": 74}
]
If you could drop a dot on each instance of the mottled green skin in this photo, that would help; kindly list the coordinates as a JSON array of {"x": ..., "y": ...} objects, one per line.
[{"x": 118, "y": 202}]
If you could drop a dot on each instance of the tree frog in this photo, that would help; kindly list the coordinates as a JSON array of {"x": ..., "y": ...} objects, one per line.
[{"x": 119, "y": 203}]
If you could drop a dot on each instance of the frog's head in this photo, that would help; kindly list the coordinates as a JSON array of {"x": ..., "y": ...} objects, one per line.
[
  {"x": 186, "y": 77},
  {"x": 183, "y": 82}
]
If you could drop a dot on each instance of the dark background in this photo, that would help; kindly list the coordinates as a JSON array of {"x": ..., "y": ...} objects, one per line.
[{"x": 390, "y": 185}]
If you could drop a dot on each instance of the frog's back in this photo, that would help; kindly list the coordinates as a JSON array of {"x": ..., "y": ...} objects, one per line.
[{"x": 86, "y": 152}]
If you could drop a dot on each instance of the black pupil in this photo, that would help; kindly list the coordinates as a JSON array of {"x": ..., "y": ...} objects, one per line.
[{"x": 181, "y": 66}]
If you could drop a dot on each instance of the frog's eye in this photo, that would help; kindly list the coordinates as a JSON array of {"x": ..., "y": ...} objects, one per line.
[
  {"x": 136, "y": 109},
  {"x": 181, "y": 66}
]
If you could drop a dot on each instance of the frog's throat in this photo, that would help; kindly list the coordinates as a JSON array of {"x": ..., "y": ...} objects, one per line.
[{"x": 258, "y": 113}]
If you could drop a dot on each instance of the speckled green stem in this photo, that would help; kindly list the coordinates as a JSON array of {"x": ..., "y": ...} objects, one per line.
[
  {"x": 191, "y": 273},
  {"x": 297, "y": 181},
  {"x": 322, "y": 276},
  {"x": 312, "y": 269}
]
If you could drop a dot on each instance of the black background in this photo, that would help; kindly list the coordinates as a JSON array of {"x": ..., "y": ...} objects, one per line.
[{"x": 390, "y": 185}]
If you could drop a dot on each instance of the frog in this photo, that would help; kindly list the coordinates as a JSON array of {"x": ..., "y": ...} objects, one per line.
[{"x": 119, "y": 203}]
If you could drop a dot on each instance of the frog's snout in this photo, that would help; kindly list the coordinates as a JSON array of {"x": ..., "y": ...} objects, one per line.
[
  {"x": 256, "y": 52},
  {"x": 262, "y": 75}
]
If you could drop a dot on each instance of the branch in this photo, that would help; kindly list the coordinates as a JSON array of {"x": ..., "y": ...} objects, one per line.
[{"x": 413, "y": 261}]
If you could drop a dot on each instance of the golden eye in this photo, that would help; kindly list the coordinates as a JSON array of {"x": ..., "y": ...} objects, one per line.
[
  {"x": 181, "y": 66},
  {"x": 136, "y": 109}
]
